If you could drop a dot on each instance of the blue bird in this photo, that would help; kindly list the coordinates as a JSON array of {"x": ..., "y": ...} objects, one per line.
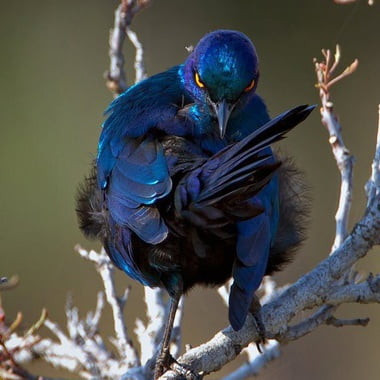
[{"x": 186, "y": 189}]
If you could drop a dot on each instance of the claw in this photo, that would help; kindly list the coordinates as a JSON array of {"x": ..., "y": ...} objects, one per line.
[
  {"x": 255, "y": 310},
  {"x": 163, "y": 363},
  {"x": 260, "y": 328}
]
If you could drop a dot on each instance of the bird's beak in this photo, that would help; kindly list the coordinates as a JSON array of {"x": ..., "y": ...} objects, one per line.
[{"x": 222, "y": 111}]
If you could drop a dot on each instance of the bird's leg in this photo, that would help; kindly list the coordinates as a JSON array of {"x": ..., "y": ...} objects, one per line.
[
  {"x": 255, "y": 310},
  {"x": 164, "y": 359}
]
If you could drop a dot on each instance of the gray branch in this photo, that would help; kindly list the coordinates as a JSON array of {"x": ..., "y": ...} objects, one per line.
[
  {"x": 139, "y": 58},
  {"x": 124, "y": 14},
  {"x": 369, "y": 2},
  {"x": 106, "y": 269},
  {"x": 256, "y": 361},
  {"x": 344, "y": 159}
]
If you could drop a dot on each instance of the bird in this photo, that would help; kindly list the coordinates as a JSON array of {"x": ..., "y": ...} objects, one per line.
[{"x": 186, "y": 189}]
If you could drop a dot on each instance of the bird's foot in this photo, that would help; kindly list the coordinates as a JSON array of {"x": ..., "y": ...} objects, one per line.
[
  {"x": 163, "y": 363},
  {"x": 185, "y": 372},
  {"x": 255, "y": 310},
  {"x": 260, "y": 328}
]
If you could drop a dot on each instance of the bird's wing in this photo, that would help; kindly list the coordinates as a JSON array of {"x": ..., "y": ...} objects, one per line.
[
  {"x": 131, "y": 166},
  {"x": 138, "y": 179},
  {"x": 143, "y": 107}
]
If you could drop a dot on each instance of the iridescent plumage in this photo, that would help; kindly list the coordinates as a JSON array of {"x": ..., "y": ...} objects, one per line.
[{"x": 185, "y": 191}]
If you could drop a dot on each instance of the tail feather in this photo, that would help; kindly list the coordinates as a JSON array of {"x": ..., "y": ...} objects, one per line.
[
  {"x": 232, "y": 179},
  {"x": 238, "y": 161},
  {"x": 269, "y": 133}
]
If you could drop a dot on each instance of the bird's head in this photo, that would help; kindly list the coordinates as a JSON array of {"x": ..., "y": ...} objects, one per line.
[{"x": 221, "y": 71}]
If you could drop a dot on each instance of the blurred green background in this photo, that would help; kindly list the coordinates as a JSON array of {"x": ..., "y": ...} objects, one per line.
[{"x": 52, "y": 95}]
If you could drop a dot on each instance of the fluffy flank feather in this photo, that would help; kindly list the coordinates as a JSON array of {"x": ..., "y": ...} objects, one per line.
[
  {"x": 294, "y": 220},
  {"x": 92, "y": 217}
]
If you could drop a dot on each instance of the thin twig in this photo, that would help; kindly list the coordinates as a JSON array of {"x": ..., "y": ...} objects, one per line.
[
  {"x": 139, "y": 59},
  {"x": 116, "y": 79},
  {"x": 343, "y": 157},
  {"x": 124, "y": 14},
  {"x": 150, "y": 336},
  {"x": 369, "y": 2},
  {"x": 332, "y": 321},
  {"x": 308, "y": 325},
  {"x": 373, "y": 184},
  {"x": 256, "y": 361},
  {"x": 106, "y": 269}
]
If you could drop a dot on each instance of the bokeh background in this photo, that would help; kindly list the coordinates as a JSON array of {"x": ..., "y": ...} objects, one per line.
[{"x": 52, "y": 94}]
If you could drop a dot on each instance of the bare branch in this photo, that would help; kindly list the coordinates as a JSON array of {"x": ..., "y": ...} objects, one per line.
[
  {"x": 124, "y": 14},
  {"x": 373, "y": 185},
  {"x": 106, "y": 269},
  {"x": 332, "y": 321},
  {"x": 139, "y": 59},
  {"x": 367, "y": 291},
  {"x": 38, "y": 324},
  {"x": 344, "y": 159},
  {"x": 116, "y": 79},
  {"x": 93, "y": 319},
  {"x": 369, "y": 2},
  {"x": 150, "y": 336},
  {"x": 256, "y": 361},
  {"x": 308, "y": 325},
  {"x": 76, "y": 352}
]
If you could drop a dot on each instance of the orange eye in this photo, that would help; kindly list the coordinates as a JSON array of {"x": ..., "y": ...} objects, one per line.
[
  {"x": 250, "y": 87},
  {"x": 198, "y": 81}
]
